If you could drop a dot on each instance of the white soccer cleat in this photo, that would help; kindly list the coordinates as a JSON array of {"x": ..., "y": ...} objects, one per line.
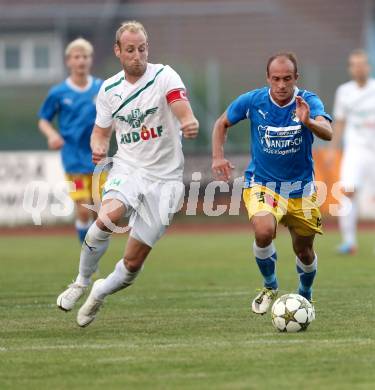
[
  {"x": 67, "y": 299},
  {"x": 263, "y": 300},
  {"x": 87, "y": 312}
]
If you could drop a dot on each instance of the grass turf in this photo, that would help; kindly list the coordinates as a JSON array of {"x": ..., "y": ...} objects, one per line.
[{"x": 186, "y": 323}]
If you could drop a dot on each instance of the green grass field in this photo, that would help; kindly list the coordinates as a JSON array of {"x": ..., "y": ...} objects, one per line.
[{"x": 186, "y": 323}]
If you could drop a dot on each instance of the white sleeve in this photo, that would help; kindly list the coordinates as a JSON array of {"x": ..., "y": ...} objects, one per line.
[
  {"x": 103, "y": 110},
  {"x": 172, "y": 80},
  {"x": 339, "y": 107}
]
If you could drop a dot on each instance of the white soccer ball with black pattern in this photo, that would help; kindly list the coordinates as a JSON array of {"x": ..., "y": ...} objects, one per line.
[{"x": 292, "y": 313}]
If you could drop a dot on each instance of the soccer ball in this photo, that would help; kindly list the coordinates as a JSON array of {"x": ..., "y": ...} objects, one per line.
[{"x": 292, "y": 313}]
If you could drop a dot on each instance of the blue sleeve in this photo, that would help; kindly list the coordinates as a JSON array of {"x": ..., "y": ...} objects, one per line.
[
  {"x": 239, "y": 109},
  {"x": 50, "y": 106},
  {"x": 316, "y": 107}
]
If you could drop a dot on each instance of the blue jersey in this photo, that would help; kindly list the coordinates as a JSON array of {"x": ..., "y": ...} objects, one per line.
[
  {"x": 281, "y": 147},
  {"x": 76, "y": 113}
]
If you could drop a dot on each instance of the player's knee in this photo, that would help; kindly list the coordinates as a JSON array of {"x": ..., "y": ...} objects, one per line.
[
  {"x": 109, "y": 219},
  {"x": 264, "y": 236},
  {"x": 264, "y": 229}
]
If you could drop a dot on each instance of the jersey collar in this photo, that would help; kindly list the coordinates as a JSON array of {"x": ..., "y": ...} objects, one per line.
[
  {"x": 77, "y": 88},
  {"x": 296, "y": 90}
]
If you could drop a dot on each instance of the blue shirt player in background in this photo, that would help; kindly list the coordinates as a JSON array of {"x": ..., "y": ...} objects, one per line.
[
  {"x": 279, "y": 181},
  {"x": 73, "y": 102}
]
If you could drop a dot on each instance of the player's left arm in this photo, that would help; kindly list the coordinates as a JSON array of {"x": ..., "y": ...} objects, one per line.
[
  {"x": 318, "y": 125},
  {"x": 175, "y": 94},
  {"x": 183, "y": 112}
]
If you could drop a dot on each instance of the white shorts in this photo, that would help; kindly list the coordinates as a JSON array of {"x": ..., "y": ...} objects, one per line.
[
  {"x": 357, "y": 167},
  {"x": 150, "y": 204}
]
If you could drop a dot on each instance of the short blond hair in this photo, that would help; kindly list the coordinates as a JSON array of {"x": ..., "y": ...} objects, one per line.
[
  {"x": 358, "y": 53},
  {"x": 79, "y": 43},
  {"x": 131, "y": 25}
]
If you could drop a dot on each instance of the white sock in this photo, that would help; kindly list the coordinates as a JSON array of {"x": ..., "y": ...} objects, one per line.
[
  {"x": 308, "y": 268},
  {"x": 348, "y": 222},
  {"x": 264, "y": 253},
  {"x": 93, "y": 248},
  {"x": 120, "y": 278}
]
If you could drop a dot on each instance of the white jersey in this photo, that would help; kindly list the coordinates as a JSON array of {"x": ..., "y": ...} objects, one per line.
[
  {"x": 148, "y": 134},
  {"x": 356, "y": 106}
]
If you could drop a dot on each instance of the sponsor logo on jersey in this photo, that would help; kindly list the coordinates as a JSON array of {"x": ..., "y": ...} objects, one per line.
[
  {"x": 280, "y": 137},
  {"x": 136, "y": 118},
  {"x": 144, "y": 135}
]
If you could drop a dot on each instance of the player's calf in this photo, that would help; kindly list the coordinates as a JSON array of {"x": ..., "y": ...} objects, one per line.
[
  {"x": 266, "y": 260},
  {"x": 306, "y": 275},
  {"x": 119, "y": 279}
]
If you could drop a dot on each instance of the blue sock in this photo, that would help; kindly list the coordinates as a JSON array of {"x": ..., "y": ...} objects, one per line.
[
  {"x": 82, "y": 229},
  {"x": 306, "y": 277},
  {"x": 266, "y": 259}
]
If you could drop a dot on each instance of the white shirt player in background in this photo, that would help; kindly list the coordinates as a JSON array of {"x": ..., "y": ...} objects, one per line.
[
  {"x": 146, "y": 104},
  {"x": 354, "y": 124}
]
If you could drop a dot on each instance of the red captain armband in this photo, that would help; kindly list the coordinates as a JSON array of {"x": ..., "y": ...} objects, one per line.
[{"x": 176, "y": 94}]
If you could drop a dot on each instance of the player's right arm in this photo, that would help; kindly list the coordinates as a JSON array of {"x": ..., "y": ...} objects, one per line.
[
  {"x": 102, "y": 131},
  {"x": 54, "y": 139},
  {"x": 221, "y": 167},
  {"x": 47, "y": 112},
  {"x": 339, "y": 123},
  {"x": 237, "y": 111},
  {"x": 338, "y": 130},
  {"x": 100, "y": 139}
]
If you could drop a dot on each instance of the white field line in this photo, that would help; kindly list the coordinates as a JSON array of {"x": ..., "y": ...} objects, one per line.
[
  {"x": 188, "y": 294},
  {"x": 207, "y": 344},
  {"x": 34, "y": 305}
]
